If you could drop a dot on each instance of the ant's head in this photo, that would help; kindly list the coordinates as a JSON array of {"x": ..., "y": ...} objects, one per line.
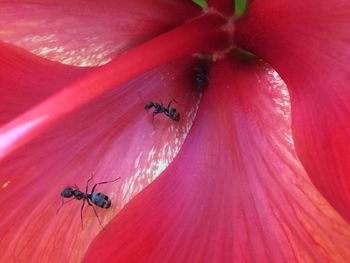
[
  {"x": 67, "y": 192},
  {"x": 149, "y": 105}
]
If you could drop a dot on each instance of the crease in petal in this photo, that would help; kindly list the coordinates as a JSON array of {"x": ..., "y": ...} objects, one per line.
[
  {"x": 235, "y": 192},
  {"x": 158, "y": 51},
  {"x": 308, "y": 43},
  {"x": 112, "y": 136},
  {"x": 26, "y": 80},
  {"x": 92, "y": 133}
]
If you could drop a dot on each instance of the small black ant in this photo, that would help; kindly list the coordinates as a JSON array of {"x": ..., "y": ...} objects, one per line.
[
  {"x": 201, "y": 76},
  {"x": 159, "y": 108},
  {"x": 99, "y": 199}
]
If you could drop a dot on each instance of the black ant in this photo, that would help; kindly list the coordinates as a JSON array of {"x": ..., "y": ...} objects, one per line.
[
  {"x": 99, "y": 199},
  {"x": 159, "y": 108},
  {"x": 201, "y": 75}
]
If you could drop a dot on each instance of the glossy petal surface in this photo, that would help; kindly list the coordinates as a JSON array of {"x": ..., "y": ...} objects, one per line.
[
  {"x": 235, "y": 192},
  {"x": 125, "y": 67},
  {"x": 89, "y": 32},
  {"x": 112, "y": 136},
  {"x": 308, "y": 43},
  {"x": 25, "y": 82}
]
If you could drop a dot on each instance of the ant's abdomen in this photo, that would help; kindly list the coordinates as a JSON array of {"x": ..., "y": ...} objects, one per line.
[{"x": 101, "y": 200}]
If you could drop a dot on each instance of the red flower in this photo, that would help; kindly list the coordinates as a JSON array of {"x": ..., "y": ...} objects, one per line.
[{"x": 237, "y": 191}]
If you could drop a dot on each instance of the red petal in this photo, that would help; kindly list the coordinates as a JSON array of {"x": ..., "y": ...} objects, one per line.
[
  {"x": 235, "y": 192},
  {"x": 177, "y": 43},
  {"x": 223, "y": 6},
  {"x": 308, "y": 43},
  {"x": 88, "y": 32},
  {"x": 113, "y": 136},
  {"x": 25, "y": 81}
]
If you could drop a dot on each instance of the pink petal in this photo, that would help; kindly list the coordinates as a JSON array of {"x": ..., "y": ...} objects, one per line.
[
  {"x": 89, "y": 126},
  {"x": 112, "y": 136},
  {"x": 177, "y": 43},
  {"x": 26, "y": 80},
  {"x": 88, "y": 32},
  {"x": 308, "y": 43},
  {"x": 235, "y": 192}
]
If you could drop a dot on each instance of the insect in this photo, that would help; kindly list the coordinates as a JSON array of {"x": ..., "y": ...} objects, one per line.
[
  {"x": 201, "y": 76},
  {"x": 98, "y": 199},
  {"x": 159, "y": 108}
]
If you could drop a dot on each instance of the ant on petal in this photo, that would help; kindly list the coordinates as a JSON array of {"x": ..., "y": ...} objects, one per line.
[
  {"x": 201, "y": 75},
  {"x": 98, "y": 199},
  {"x": 159, "y": 108}
]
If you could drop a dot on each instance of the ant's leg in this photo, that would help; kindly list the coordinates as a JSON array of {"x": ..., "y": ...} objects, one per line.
[
  {"x": 96, "y": 215},
  {"x": 60, "y": 205},
  {"x": 155, "y": 112},
  {"x": 87, "y": 183},
  {"x": 93, "y": 188},
  {"x": 63, "y": 204},
  {"x": 81, "y": 214},
  {"x": 171, "y": 102}
]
